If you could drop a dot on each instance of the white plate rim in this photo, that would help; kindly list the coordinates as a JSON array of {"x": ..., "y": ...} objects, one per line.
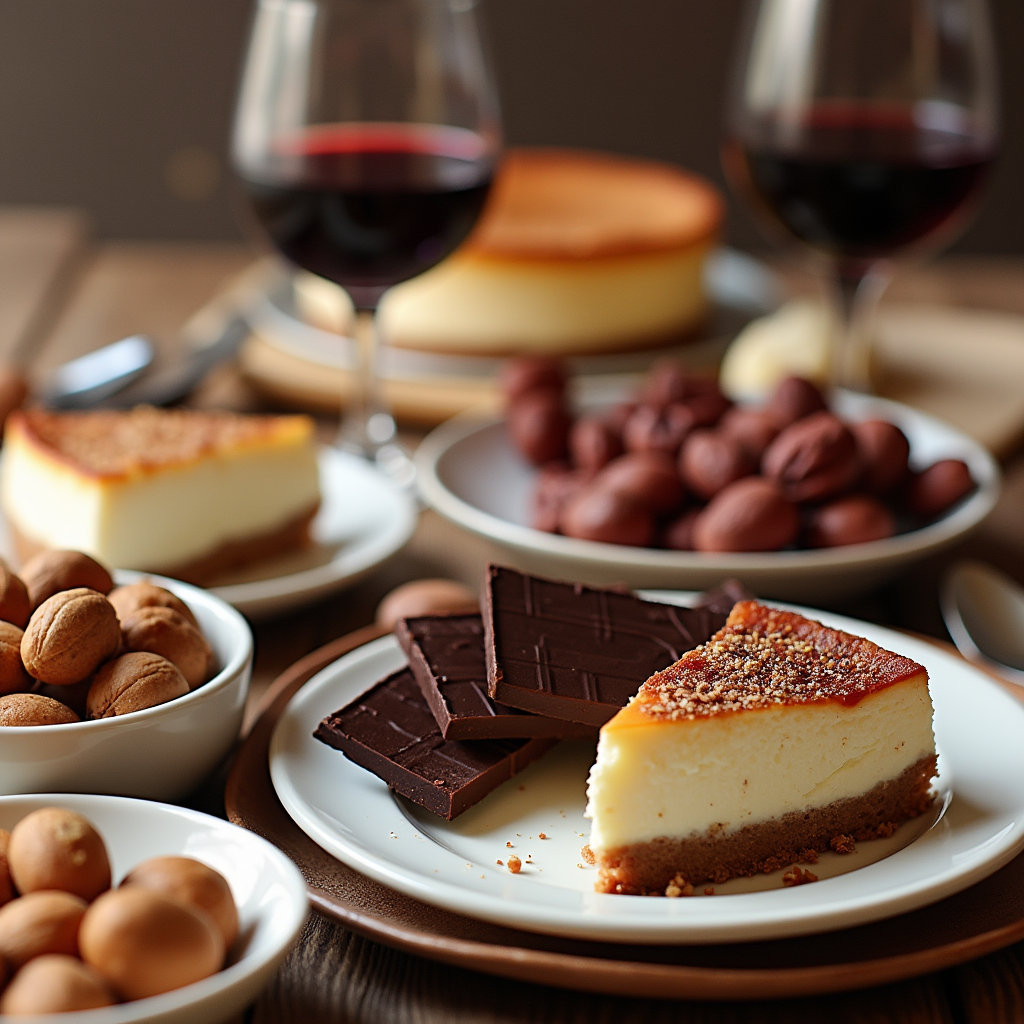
[
  {"x": 905, "y": 546},
  {"x": 808, "y": 912}
]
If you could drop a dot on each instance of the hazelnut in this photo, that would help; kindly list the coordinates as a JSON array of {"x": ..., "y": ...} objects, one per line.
[
  {"x": 14, "y": 603},
  {"x": 50, "y": 572},
  {"x": 41, "y": 922},
  {"x": 707, "y": 409},
  {"x": 538, "y": 424},
  {"x": 813, "y": 459},
  {"x": 163, "y": 631},
  {"x": 134, "y": 682},
  {"x": 607, "y": 516},
  {"x": 792, "y": 400},
  {"x": 6, "y": 882},
  {"x": 710, "y": 460},
  {"x": 648, "y": 479},
  {"x": 517, "y": 377},
  {"x": 753, "y": 428},
  {"x": 72, "y": 697},
  {"x": 69, "y": 636},
  {"x": 193, "y": 882},
  {"x": 21, "y": 709},
  {"x": 593, "y": 443},
  {"x": 884, "y": 452},
  {"x": 133, "y": 596},
  {"x": 55, "y": 984},
  {"x": 936, "y": 488},
  {"x": 143, "y": 943},
  {"x": 751, "y": 514},
  {"x": 651, "y": 429},
  {"x": 425, "y": 597},
  {"x": 13, "y": 677},
  {"x": 856, "y": 519},
  {"x": 54, "y": 848}
]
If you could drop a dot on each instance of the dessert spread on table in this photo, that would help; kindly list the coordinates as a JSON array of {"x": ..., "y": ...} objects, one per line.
[
  {"x": 735, "y": 738},
  {"x": 76, "y": 943},
  {"x": 682, "y": 468},
  {"x": 186, "y": 493},
  {"x": 73, "y": 646}
]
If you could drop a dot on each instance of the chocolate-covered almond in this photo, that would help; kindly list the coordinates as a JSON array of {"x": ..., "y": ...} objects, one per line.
[
  {"x": 668, "y": 381},
  {"x": 593, "y": 443},
  {"x": 883, "y": 450},
  {"x": 596, "y": 514},
  {"x": 938, "y": 487},
  {"x": 792, "y": 400},
  {"x": 855, "y": 519},
  {"x": 753, "y": 428},
  {"x": 751, "y": 514},
  {"x": 812, "y": 459},
  {"x": 538, "y": 424},
  {"x": 710, "y": 460},
  {"x": 651, "y": 429},
  {"x": 519, "y": 376},
  {"x": 555, "y": 485},
  {"x": 707, "y": 409},
  {"x": 648, "y": 479}
]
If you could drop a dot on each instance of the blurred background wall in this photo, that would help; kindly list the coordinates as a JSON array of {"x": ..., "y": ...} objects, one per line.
[{"x": 122, "y": 107}]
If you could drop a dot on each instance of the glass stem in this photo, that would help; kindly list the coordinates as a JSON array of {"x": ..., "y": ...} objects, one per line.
[
  {"x": 367, "y": 425},
  {"x": 857, "y": 296}
]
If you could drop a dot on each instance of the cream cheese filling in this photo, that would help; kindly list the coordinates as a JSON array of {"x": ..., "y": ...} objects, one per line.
[{"x": 662, "y": 778}]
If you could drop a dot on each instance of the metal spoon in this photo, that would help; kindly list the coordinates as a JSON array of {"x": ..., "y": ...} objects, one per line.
[
  {"x": 89, "y": 379},
  {"x": 984, "y": 612}
]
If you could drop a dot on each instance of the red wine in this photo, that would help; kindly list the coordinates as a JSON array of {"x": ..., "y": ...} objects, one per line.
[
  {"x": 368, "y": 206},
  {"x": 860, "y": 183}
]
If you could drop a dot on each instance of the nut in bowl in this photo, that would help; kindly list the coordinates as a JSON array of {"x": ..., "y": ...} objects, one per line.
[
  {"x": 149, "y": 716},
  {"x": 237, "y": 900}
]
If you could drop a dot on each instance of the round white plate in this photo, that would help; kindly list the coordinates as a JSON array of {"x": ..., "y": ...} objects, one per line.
[
  {"x": 364, "y": 518},
  {"x": 267, "y": 888},
  {"x": 976, "y": 826},
  {"x": 468, "y": 471}
]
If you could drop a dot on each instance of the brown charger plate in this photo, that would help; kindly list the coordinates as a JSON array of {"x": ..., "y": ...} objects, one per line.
[{"x": 984, "y": 918}]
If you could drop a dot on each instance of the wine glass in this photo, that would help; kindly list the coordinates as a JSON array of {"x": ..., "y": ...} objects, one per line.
[
  {"x": 366, "y": 137},
  {"x": 862, "y": 129}
]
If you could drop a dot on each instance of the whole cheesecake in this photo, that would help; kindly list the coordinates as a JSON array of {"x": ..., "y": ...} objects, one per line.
[
  {"x": 576, "y": 253},
  {"x": 185, "y": 493},
  {"x": 776, "y": 740}
]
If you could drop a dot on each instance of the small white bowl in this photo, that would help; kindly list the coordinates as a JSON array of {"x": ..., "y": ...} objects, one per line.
[
  {"x": 468, "y": 471},
  {"x": 160, "y": 753},
  {"x": 268, "y": 890}
]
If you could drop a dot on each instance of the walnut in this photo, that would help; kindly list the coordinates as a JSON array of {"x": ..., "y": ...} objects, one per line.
[
  {"x": 133, "y": 682},
  {"x": 20, "y": 709},
  {"x": 14, "y": 603},
  {"x": 131, "y": 598},
  {"x": 50, "y": 572},
  {"x": 69, "y": 636},
  {"x": 163, "y": 631}
]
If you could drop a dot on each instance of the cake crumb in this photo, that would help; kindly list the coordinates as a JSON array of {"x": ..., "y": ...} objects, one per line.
[
  {"x": 808, "y": 856},
  {"x": 843, "y": 844},
  {"x": 515, "y": 865},
  {"x": 798, "y": 876},
  {"x": 709, "y": 891},
  {"x": 508, "y": 846},
  {"x": 500, "y": 863},
  {"x": 588, "y": 854},
  {"x": 541, "y": 835},
  {"x": 679, "y": 886}
]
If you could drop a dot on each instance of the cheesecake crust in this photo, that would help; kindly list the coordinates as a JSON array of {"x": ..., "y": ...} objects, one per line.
[
  {"x": 764, "y": 657},
  {"x": 647, "y": 869}
]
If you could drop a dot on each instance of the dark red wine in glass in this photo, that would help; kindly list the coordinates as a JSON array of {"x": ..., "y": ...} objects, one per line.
[
  {"x": 861, "y": 183},
  {"x": 370, "y": 206}
]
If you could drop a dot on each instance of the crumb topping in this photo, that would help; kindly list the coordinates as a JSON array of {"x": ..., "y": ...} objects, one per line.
[
  {"x": 798, "y": 876},
  {"x": 764, "y": 656},
  {"x": 108, "y": 443}
]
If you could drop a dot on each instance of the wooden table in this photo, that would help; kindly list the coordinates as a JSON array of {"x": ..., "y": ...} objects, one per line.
[{"x": 61, "y": 295}]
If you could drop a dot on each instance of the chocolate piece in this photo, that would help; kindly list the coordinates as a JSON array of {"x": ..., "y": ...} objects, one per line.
[
  {"x": 608, "y": 517},
  {"x": 936, "y": 488},
  {"x": 749, "y": 515},
  {"x": 855, "y": 519},
  {"x": 578, "y": 653},
  {"x": 813, "y": 459},
  {"x": 538, "y": 424},
  {"x": 710, "y": 460},
  {"x": 390, "y": 731},
  {"x": 446, "y": 656},
  {"x": 724, "y": 596},
  {"x": 649, "y": 479},
  {"x": 883, "y": 450}
]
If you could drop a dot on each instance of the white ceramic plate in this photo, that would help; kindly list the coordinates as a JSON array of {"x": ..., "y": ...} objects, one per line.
[
  {"x": 977, "y": 824},
  {"x": 364, "y": 518},
  {"x": 268, "y": 890},
  {"x": 470, "y": 474}
]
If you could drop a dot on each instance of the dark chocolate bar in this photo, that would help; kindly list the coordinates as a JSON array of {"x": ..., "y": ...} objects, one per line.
[
  {"x": 390, "y": 731},
  {"x": 446, "y": 656},
  {"x": 574, "y": 652}
]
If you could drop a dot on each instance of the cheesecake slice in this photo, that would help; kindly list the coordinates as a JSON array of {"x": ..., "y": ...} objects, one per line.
[
  {"x": 774, "y": 741},
  {"x": 185, "y": 493}
]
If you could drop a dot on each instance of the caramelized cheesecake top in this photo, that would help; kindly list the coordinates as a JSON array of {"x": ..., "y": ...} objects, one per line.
[
  {"x": 764, "y": 657},
  {"x": 560, "y": 204},
  {"x": 111, "y": 445}
]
